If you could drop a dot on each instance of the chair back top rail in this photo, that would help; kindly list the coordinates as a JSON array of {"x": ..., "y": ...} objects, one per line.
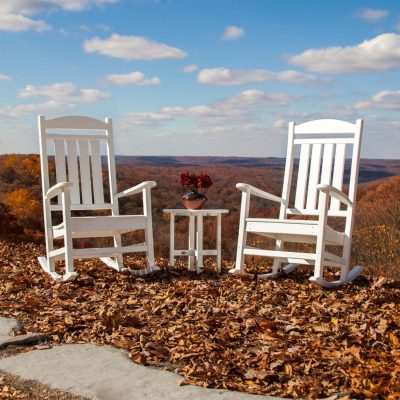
[
  {"x": 325, "y": 127},
  {"x": 76, "y": 122}
]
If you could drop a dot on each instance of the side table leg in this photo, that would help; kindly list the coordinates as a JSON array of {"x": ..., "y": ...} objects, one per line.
[
  {"x": 199, "y": 243},
  {"x": 172, "y": 240},
  {"x": 191, "y": 242},
  {"x": 219, "y": 243}
]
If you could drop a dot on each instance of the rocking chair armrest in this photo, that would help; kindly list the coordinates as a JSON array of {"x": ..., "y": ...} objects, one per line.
[
  {"x": 136, "y": 189},
  {"x": 244, "y": 187},
  {"x": 336, "y": 193},
  {"x": 58, "y": 189}
]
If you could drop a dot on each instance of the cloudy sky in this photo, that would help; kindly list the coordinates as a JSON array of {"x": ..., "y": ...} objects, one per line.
[{"x": 201, "y": 77}]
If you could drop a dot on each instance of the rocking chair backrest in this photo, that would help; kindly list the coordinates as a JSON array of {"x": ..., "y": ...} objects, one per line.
[
  {"x": 78, "y": 159},
  {"x": 323, "y": 145}
]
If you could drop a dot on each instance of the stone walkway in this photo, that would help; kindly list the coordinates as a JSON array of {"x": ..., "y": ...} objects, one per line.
[{"x": 100, "y": 372}]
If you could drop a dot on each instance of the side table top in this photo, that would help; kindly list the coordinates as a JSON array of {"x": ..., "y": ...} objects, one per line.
[{"x": 204, "y": 211}]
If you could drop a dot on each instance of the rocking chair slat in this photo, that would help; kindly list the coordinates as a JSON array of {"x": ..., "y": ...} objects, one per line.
[
  {"x": 108, "y": 251},
  {"x": 314, "y": 177},
  {"x": 326, "y": 172},
  {"x": 85, "y": 172},
  {"x": 73, "y": 174},
  {"x": 61, "y": 172},
  {"x": 280, "y": 254},
  {"x": 302, "y": 176},
  {"x": 97, "y": 172},
  {"x": 338, "y": 172}
]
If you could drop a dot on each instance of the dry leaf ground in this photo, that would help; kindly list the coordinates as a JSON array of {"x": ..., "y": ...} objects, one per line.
[
  {"x": 282, "y": 337},
  {"x": 13, "y": 388}
]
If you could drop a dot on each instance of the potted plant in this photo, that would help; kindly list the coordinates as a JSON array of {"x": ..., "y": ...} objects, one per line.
[{"x": 192, "y": 199}]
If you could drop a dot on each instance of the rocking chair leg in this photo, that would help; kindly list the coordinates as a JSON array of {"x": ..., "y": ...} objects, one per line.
[
  {"x": 275, "y": 271},
  {"x": 355, "y": 271},
  {"x": 275, "y": 266},
  {"x": 287, "y": 269},
  {"x": 151, "y": 263},
  {"x": 70, "y": 274},
  {"x": 332, "y": 284},
  {"x": 244, "y": 212},
  {"x": 119, "y": 260},
  {"x": 47, "y": 268}
]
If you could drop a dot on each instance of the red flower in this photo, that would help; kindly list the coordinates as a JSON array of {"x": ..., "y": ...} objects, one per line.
[
  {"x": 204, "y": 181},
  {"x": 194, "y": 181}
]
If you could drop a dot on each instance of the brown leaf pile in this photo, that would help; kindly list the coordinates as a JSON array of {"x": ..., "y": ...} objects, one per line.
[{"x": 282, "y": 337}]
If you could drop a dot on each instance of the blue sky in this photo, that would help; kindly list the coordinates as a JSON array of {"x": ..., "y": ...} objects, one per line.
[{"x": 201, "y": 77}]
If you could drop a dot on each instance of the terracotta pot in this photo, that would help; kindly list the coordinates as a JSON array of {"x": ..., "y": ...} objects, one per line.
[{"x": 194, "y": 200}]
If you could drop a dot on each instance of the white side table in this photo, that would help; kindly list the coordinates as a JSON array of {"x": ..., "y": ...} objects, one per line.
[{"x": 195, "y": 250}]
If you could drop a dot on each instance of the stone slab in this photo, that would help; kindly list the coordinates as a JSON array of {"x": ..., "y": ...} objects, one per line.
[
  {"x": 23, "y": 340},
  {"x": 105, "y": 373},
  {"x": 7, "y": 325}
]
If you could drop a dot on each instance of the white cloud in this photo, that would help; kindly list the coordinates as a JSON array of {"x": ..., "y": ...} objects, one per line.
[
  {"x": 232, "y": 32},
  {"x": 190, "y": 68},
  {"x": 34, "y": 108},
  {"x": 243, "y": 108},
  {"x": 144, "y": 119},
  {"x": 5, "y": 78},
  {"x": 133, "y": 78},
  {"x": 377, "y": 54},
  {"x": 62, "y": 96},
  {"x": 29, "y": 7},
  {"x": 89, "y": 28},
  {"x": 131, "y": 48},
  {"x": 14, "y": 13},
  {"x": 383, "y": 100},
  {"x": 229, "y": 77},
  {"x": 19, "y": 23},
  {"x": 372, "y": 14},
  {"x": 66, "y": 91},
  {"x": 280, "y": 123}
]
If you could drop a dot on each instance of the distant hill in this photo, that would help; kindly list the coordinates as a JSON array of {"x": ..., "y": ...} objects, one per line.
[{"x": 370, "y": 169}]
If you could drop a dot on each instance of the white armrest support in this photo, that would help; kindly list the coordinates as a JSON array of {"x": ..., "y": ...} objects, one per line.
[
  {"x": 136, "y": 189},
  {"x": 336, "y": 193},
  {"x": 244, "y": 187},
  {"x": 58, "y": 189}
]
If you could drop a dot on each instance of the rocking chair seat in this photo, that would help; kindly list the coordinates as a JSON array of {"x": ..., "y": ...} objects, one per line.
[
  {"x": 101, "y": 226},
  {"x": 292, "y": 230}
]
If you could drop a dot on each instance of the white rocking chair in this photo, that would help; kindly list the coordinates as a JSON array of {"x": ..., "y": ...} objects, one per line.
[
  {"x": 318, "y": 193},
  {"x": 79, "y": 187}
]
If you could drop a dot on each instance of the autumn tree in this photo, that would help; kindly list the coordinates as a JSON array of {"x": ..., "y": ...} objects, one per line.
[{"x": 26, "y": 209}]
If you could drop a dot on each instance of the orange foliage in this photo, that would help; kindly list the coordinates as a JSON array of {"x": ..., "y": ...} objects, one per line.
[
  {"x": 26, "y": 209},
  {"x": 15, "y": 168},
  {"x": 32, "y": 166},
  {"x": 376, "y": 241}
]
